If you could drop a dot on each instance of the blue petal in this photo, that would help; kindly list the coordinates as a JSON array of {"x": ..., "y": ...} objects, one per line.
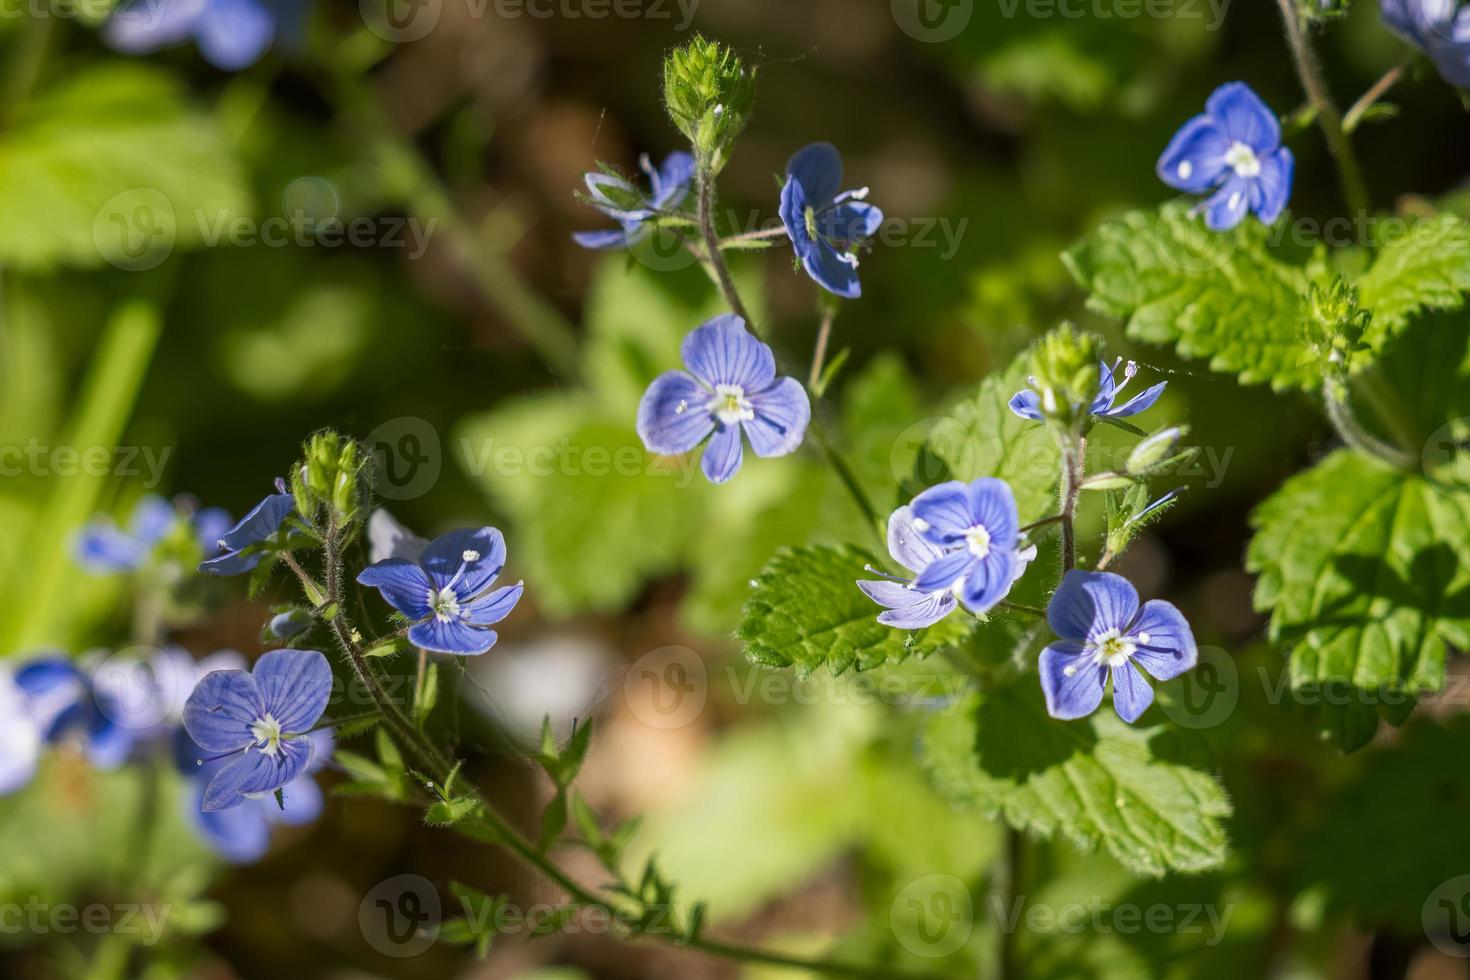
[
  {"x": 444, "y": 560},
  {"x": 492, "y": 607},
  {"x": 597, "y": 185},
  {"x": 152, "y": 518},
  {"x": 671, "y": 180},
  {"x": 1070, "y": 695},
  {"x": 891, "y": 594},
  {"x": 1195, "y": 158},
  {"x": 263, "y": 521},
  {"x": 1026, "y": 404},
  {"x": 850, "y": 221},
  {"x": 240, "y": 835},
  {"x": 255, "y": 773},
  {"x": 1088, "y": 604},
  {"x": 56, "y": 693},
  {"x": 722, "y": 455},
  {"x": 817, "y": 169},
  {"x": 109, "y": 741},
  {"x": 20, "y": 738},
  {"x": 303, "y": 803},
  {"x": 608, "y": 238},
  {"x": 925, "y": 610},
  {"x": 232, "y": 563},
  {"x": 209, "y": 525},
  {"x": 1131, "y": 693},
  {"x": 454, "y": 636},
  {"x": 1228, "y": 206},
  {"x": 782, "y": 412},
  {"x": 989, "y": 580},
  {"x": 144, "y": 26},
  {"x": 993, "y": 505},
  {"x": 942, "y": 573},
  {"x": 1403, "y": 17},
  {"x": 793, "y": 215},
  {"x": 834, "y": 271},
  {"x": 1165, "y": 643},
  {"x": 1244, "y": 118},
  {"x": 101, "y": 547},
  {"x": 403, "y": 584},
  {"x": 673, "y": 416},
  {"x": 219, "y": 713},
  {"x": 294, "y": 686},
  {"x": 944, "y": 510},
  {"x": 235, "y": 33},
  {"x": 1271, "y": 188},
  {"x": 721, "y": 351},
  {"x": 907, "y": 546},
  {"x": 1138, "y": 403}
]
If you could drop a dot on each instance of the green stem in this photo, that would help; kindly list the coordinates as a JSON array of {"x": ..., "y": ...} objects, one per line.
[
  {"x": 501, "y": 830},
  {"x": 1354, "y": 189},
  {"x": 1070, "y": 486},
  {"x": 1009, "y": 967},
  {"x": 753, "y": 236},
  {"x": 1356, "y": 111},
  {"x": 1352, "y": 432},
  {"x": 1386, "y": 404},
  {"x": 705, "y": 189},
  {"x": 819, "y": 353},
  {"x": 538, "y": 323}
]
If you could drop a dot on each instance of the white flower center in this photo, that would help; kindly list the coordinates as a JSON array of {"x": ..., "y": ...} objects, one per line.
[
  {"x": 1113, "y": 649},
  {"x": 1185, "y": 169},
  {"x": 1242, "y": 159},
  {"x": 978, "y": 539},
  {"x": 444, "y": 604},
  {"x": 267, "y": 734},
  {"x": 470, "y": 555},
  {"x": 731, "y": 405}
]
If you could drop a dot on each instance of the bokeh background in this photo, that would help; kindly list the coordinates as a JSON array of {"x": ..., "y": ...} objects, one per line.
[{"x": 992, "y": 141}]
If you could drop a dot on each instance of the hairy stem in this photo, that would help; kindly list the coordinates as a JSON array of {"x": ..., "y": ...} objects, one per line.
[
  {"x": 1376, "y": 91},
  {"x": 819, "y": 352},
  {"x": 705, "y": 188},
  {"x": 1352, "y": 432},
  {"x": 1350, "y": 174},
  {"x": 1070, "y": 486}
]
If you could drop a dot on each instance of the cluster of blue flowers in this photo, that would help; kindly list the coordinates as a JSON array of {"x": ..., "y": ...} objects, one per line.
[
  {"x": 963, "y": 544},
  {"x": 231, "y": 34},
  {"x": 115, "y": 710},
  {"x": 102, "y": 547},
  {"x": 825, "y": 224}
]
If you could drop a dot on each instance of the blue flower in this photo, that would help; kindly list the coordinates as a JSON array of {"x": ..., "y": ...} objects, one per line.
[
  {"x": 241, "y": 834},
  {"x": 908, "y": 607},
  {"x": 1105, "y": 633},
  {"x": 20, "y": 737},
  {"x": 103, "y": 547},
  {"x": 824, "y": 225},
  {"x": 1439, "y": 28},
  {"x": 67, "y": 703},
  {"x": 629, "y": 206},
  {"x": 231, "y": 34},
  {"x": 240, "y": 542},
  {"x": 259, "y": 723},
  {"x": 730, "y": 387},
  {"x": 1027, "y": 403},
  {"x": 977, "y": 530},
  {"x": 1233, "y": 149},
  {"x": 447, "y": 593}
]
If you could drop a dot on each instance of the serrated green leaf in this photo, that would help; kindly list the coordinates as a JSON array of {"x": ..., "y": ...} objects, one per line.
[
  {"x": 1096, "y": 781},
  {"x": 1365, "y": 571},
  {"x": 1425, "y": 268},
  {"x": 446, "y": 812},
  {"x": 1234, "y": 298},
  {"x": 806, "y": 611},
  {"x": 981, "y": 436}
]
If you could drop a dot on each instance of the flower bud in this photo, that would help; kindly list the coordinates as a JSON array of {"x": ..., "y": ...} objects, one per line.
[
  {"x": 708, "y": 92},
  {"x": 1064, "y": 368},
  {"x": 1154, "y": 450},
  {"x": 336, "y": 474},
  {"x": 288, "y": 624}
]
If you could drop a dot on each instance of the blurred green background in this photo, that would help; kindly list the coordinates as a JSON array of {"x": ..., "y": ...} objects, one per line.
[{"x": 802, "y": 824}]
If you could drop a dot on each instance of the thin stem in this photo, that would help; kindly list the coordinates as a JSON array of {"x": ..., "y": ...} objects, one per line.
[
  {"x": 758, "y": 235},
  {"x": 1070, "y": 487},
  {"x": 705, "y": 181},
  {"x": 845, "y": 475},
  {"x": 1022, "y": 607},
  {"x": 1355, "y": 112},
  {"x": 819, "y": 353},
  {"x": 1352, "y": 432},
  {"x": 1014, "y": 867},
  {"x": 1041, "y": 523},
  {"x": 503, "y": 832},
  {"x": 1354, "y": 190}
]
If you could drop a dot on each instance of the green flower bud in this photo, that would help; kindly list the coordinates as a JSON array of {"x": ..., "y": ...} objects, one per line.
[
  {"x": 336, "y": 474},
  {"x": 1154, "y": 450},
  {"x": 709, "y": 93},
  {"x": 1334, "y": 325},
  {"x": 1064, "y": 369}
]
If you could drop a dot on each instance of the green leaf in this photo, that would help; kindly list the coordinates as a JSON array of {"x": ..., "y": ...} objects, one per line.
[
  {"x": 1365, "y": 571},
  {"x": 1425, "y": 268},
  {"x": 1234, "y": 298},
  {"x": 806, "y": 611},
  {"x": 446, "y": 812},
  {"x": 1097, "y": 781},
  {"x": 981, "y": 436},
  {"x": 111, "y": 165}
]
